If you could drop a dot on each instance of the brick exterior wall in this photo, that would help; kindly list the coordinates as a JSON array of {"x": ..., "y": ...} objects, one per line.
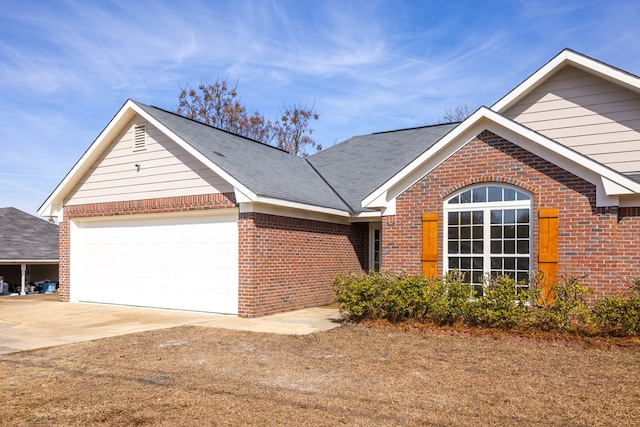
[
  {"x": 599, "y": 242},
  {"x": 284, "y": 263},
  {"x": 289, "y": 263}
]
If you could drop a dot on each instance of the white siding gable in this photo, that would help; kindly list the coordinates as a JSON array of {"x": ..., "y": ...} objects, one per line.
[
  {"x": 143, "y": 163},
  {"x": 586, "y": 113}
]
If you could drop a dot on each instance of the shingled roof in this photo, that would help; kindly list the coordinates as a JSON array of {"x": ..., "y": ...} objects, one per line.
[
  {"x": 26, "y": 238},
  {"x": 265, "y": 170},
  {"x": 339, "y": 178},
  {"x": 356, "y": 167}
]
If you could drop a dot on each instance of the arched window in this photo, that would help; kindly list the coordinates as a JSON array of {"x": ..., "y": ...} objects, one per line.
[{"x": 488, "y": 230}]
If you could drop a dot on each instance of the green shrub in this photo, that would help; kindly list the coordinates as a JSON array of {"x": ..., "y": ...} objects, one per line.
[
  {"x": 447, "y": 299},
  {"x": 618, "y": 315},
  {"x": 502, "y": 305},
  {"x": 381, "y": 296},
  {"x": 567, "y": 312}
]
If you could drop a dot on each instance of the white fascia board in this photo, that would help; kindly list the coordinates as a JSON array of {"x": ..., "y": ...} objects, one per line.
[
  {"x": 486, "y": 119},
  {"x": 371, "y": 216},
  {"x": 381, "y": 196},
  {"x": 562, "y": 156},
  {"x": 52, "y": 207},
  {"x": 301, "y": 206},
  {"x": 567, "y": 57},
  {"x": 293, "y": 210}
]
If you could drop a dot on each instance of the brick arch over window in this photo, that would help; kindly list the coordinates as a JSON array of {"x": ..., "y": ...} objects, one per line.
[{"x": 487, "y": 179}]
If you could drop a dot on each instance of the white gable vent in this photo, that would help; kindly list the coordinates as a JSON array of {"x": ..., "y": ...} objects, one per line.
[{"x": 139, "y": 137}]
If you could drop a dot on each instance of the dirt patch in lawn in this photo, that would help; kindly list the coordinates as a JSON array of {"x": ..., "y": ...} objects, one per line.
[{"x": 353, "y": 375}]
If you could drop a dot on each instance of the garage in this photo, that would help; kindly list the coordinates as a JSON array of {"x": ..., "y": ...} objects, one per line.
[{"x": 185, "y": 262}]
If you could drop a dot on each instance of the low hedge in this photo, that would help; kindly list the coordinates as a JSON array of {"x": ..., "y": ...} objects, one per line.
[{"x": 448, "y": 300}]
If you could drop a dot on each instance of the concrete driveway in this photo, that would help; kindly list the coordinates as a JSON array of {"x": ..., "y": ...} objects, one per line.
[{"x": 38, "y": 321}]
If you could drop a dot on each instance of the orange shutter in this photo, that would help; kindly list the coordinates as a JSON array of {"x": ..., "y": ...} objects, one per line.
[
  {"x": 430, "y": 245},
  {"x": 548, "y": 250}
]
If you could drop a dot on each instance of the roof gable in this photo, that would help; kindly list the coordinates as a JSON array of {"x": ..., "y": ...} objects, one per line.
[
  {"x": 257, "y": 172},
  {"x": 609, "y": 183},
  {"x": 565, "y": 58}
]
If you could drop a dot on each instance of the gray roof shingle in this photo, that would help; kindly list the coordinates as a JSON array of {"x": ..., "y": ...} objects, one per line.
[
  {"x": 356, "y": 167},
  {"x": 265, "y": 170},
  {"x": 24, "y": 237},
  {"x": 339, "y": 177}
]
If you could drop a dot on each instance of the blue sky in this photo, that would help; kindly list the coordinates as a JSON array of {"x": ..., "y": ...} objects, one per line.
[{"x": 66, "y": 67}]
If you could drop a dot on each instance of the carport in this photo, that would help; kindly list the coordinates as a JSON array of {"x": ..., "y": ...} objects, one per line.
[{"x": 28, "y": 249}]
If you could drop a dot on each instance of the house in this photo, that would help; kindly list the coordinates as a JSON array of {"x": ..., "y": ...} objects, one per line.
[
  {"x": 163, "y": 211},
  {"x": 28, "y": 249}
]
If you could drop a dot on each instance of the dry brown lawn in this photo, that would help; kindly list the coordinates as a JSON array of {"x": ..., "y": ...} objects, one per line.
[{"x": 353, "y": 375}]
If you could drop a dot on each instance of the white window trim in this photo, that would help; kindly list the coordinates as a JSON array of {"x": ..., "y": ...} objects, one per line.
[
  {"x": 485, "y": 206},
  {"x": 373, "y": 227}
]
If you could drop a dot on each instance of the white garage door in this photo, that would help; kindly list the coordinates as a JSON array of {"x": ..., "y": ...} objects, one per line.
[{"x": 187, "y": 263}]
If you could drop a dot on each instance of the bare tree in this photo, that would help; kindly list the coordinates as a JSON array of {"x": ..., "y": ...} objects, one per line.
[
  {"x": 218, "y": 104},
  {"x": 457, "y": 114}
]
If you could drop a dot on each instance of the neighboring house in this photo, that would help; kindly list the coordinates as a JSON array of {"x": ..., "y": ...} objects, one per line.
[
  {"x": 28, "y": 248},
  {"x": 163, "y": 211}
]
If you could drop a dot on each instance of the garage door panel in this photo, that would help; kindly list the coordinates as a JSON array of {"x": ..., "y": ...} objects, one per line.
[{"x": 188, "y": 263}]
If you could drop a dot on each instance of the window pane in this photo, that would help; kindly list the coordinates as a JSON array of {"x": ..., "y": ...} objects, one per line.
[
  {"x": 496, "y": 217},
  {"x": 452, "y": 217},
  {"x": 477, "y": 264},
  {"x": 509, "y": 263},
  {"x": 496, "y": 246},
  {"x": 496, "y": 232},
  {"x": 523, "y": 231},
  {"x": 453, "y": 247},
  {"x": 523, "y": 264},
  {"x": 452, "y": 233},
  {"x": 465, "y": 197},
  {"x": 522, "y": 196},
  {"x": 522, "y": 277},
  {"x": 478, "y": 217},
  {"x": 509, "y": 216},
  {"x": 465, "y": 263},
  {"x": 465, "y": 247},
  {"x": 480, "y": 194},
  {"x": 523, "y": 246},
  {"x": 509, "y": 231},
  {"x": 465, "y": 218},
  {"x": 477, "y": 247},
  {"x": 478, "y": 232},
  {"x": 455, "y": 200},
  {"x": 496, "y": 263},
  {"x": 509, "y": 247},
  {"x": 477, "y": 276},
  {"x": 523, "y": 216},
  {"x": 509, "y": 194},
  {"x": 454, "y": 263},
  {"x": 495, "y": 194},
  {"x": 465, "y": 232}
]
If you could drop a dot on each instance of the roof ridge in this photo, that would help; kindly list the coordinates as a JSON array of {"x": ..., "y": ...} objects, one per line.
[
  {"x": 214, "y": 127},
  {"x": 414, "y": 128}
]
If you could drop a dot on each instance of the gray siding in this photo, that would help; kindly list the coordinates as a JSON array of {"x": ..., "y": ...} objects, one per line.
[
  {"x": 589, "y": 114},
  {"x": 166, "y": 170}
]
